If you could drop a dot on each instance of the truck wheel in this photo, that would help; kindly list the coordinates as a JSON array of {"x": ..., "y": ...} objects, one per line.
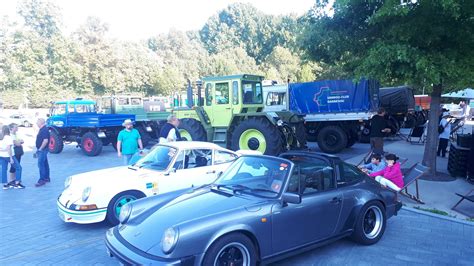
[
  {"x": 191, "y": 129},
  {"x": 91, "y": 144},
  {"x": 257, "y": 134},
  {"x": 56, "y": 143},
  {"x": 332, "y": 139}
]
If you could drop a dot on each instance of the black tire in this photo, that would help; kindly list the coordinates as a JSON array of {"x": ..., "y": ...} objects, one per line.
[
  {"x": 231, "y": 249},
  {"x": 91, "y": 144},
  {"x": 56, "y": 143},
  {"x": 332, "y": 139},
  {"x": 145, "y": 136},
  {"x": 370, "y": 224},
  {"x": 117, "y": 202},
  {"x": 270, "y": 132},
  {"x": 194, "y": 128}
]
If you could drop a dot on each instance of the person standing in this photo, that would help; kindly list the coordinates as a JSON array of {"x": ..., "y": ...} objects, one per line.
[
  {"x": 169, "y": 131},
  {"x": 444, "y": 136},
  {"x": 128, "y": 142},
  {"x": 6, "y": 157},
  {"x": 42, "y": 141},
  {"x": 379, "y": 127},
  {"x": 17, "y": 153}
]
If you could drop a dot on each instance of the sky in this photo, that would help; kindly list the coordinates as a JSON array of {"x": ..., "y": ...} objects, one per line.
[{"x": 140, "y": 19}]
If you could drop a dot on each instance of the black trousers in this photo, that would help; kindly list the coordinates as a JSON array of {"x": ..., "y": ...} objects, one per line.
[{"x": 442, "y": 146}]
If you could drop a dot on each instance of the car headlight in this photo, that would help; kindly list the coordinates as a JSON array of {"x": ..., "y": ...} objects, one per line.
[
  {"x": 125, "y": 212},
  {"x": 169, "y": 240},
  {"x": 85, "y": 193},
  {"x": 67, "y": 182}
]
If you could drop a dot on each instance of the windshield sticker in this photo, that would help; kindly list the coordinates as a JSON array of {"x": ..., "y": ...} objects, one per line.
[
  {"x": 153, "y": 186},
  {"x": 284, "y": 165}
]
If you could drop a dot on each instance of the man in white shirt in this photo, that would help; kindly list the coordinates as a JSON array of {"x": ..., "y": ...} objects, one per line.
[{"x": 444, "y": 136}]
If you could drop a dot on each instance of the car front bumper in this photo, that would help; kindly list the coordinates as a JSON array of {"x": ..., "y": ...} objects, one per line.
[
  {"x": 127, "y": 254},
  {"x": 80, "y": 217}
]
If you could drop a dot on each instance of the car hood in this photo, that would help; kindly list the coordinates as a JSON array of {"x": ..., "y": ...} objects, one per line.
[
  {"x": 146, "y": 230},
  {"x": 107, "y": 175}
]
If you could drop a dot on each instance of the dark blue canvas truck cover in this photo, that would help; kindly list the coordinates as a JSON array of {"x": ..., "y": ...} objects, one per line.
[{"x": 334, "y": 96}]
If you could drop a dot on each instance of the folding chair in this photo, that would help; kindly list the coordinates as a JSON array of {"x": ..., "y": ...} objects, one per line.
[
  {"x": 412, "y": 175},
  {"x": 417, "y": 132},
  {"x": 468, "y": 197}
]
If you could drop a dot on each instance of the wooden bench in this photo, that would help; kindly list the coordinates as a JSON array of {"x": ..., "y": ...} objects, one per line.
[{"x": 468, "y": 197}]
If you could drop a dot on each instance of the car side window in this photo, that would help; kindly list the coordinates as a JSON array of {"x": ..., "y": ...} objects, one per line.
[
  {"x": 310, "y": 175},
  {"x": 223, "y": 157},
  {"x": 348, "y": 174},
  {"x": 198, "y": 158}
]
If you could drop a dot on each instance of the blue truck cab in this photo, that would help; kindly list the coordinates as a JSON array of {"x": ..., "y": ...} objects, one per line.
[{"x": 78, "y": 121}]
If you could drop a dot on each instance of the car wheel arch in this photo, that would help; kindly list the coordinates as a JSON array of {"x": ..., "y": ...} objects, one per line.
[
  {"x": 354, "y": 215},
  {"x": 242, "y": 230}
]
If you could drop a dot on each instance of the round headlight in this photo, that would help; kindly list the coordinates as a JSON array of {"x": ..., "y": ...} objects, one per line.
[
  {"x": 169, "y": 240},
  {"x": 85, "y": 193},
  {"x": 280, "y": 122},
  {"x": 125, "y": 212},
  {"x": 67, "y": 182}
]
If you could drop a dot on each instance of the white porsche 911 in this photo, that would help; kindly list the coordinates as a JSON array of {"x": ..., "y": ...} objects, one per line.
[{"x": 99, "y": 195}]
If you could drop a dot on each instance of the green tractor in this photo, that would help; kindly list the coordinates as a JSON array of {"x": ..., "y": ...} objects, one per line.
[
  {"x": 149, "y": 115},
  {"x": 230, "y": 114}
]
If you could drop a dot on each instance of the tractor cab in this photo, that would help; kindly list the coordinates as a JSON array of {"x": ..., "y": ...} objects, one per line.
[{"x": 61, "y": 110}]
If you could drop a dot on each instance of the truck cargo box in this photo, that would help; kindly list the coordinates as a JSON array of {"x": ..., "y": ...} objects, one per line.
[
  {"x": 334, "y": 96},
  {"x": 397, "y": 100}
]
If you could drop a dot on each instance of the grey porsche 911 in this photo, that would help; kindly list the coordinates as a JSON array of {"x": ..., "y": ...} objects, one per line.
[{"x": 260, "y": 209}]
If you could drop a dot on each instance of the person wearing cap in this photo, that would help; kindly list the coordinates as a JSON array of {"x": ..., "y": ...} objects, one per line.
[
  {"x": 391, "y": 176},
  {"x": 444, "y": 136},
  {"x": 128, "y": 142}
]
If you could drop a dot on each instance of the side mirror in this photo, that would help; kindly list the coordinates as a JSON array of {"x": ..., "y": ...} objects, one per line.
[{"x": 291, "y": 198}]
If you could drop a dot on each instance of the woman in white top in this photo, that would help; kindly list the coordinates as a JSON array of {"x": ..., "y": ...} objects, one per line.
[
  {"x": 444, "y": 136},
  {"x": 6, "y": 157}
]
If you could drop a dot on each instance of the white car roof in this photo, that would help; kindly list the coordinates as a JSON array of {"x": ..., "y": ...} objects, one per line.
[{"x": 193, "y": 145}]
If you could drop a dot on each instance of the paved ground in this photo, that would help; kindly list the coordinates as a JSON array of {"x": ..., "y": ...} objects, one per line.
[{"x": 31, "y": 232}]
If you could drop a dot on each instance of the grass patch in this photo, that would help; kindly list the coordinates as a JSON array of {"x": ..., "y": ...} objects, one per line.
[{"x": 436, "y": 211}]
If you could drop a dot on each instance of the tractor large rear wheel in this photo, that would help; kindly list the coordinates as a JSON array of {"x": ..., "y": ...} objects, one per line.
[
  {"x": 191, "y": 129},
  {"x": 257, "y": 134},
  {"x": 56, "y": 144}
]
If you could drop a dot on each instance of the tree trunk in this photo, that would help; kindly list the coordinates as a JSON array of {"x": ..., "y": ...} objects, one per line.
[{"x": 431, "y": 146}]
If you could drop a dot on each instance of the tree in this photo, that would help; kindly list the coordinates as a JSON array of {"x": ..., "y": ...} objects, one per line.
[{"x": 428, "y": 42}]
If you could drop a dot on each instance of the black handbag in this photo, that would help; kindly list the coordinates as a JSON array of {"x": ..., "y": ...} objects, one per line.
[{"x": 440, "y": 129}]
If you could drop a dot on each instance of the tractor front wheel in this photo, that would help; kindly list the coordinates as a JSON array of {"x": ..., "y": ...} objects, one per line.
[
  {"x": 257, "y": 134},
  {"x": 56, "y": 144}
]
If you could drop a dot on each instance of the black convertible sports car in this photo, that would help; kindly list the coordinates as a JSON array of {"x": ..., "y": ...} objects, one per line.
[{"x": 260, "y": 209}]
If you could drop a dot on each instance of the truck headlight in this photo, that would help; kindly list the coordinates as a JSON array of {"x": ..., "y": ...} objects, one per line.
[
  {"x": 67, "y": 182},
  {"x": 169, "y": 240},
  {"x": 85, "y": 193},
  {"x": 280, "y": 122},
  {"x": 125, "y": 212}
]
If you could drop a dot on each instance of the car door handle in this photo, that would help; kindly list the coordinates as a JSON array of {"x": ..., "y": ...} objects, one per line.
[
  {"x": 335, "y": 200},
  {"x": 211, "y": 172}
]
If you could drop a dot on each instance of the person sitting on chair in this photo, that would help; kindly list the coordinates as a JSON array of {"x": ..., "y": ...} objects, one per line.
[
  {"x": 376, "y": 164},
  {"x": 391, "y": 176}
]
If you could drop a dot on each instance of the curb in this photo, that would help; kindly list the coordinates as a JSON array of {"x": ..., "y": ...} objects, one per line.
[{"x": 438, "y": 216}]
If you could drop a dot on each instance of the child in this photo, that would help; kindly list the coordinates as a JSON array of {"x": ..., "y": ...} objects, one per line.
[
  {"x": 376, "y": 164},
  {"x": 391, "y": 175}
]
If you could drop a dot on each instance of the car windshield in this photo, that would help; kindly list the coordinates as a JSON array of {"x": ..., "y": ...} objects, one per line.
[
  {"x": 158, "y": 159},
  {"x": 260, "y": 176}
]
